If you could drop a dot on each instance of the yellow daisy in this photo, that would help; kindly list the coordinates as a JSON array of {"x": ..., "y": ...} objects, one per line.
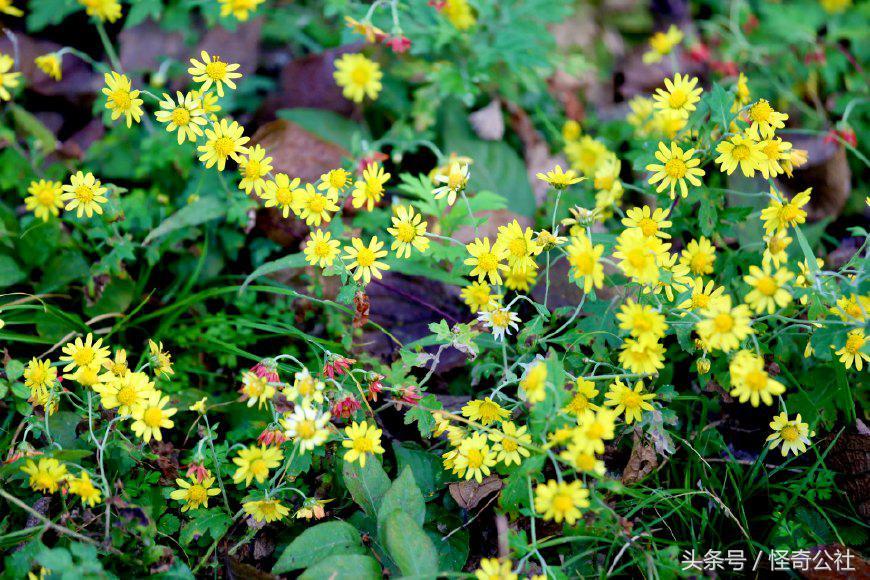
[
  {"x": 632, "y": 402},
  {"x": 44, "y": 199},
  {"x": 479, "y": 296},
  {"x": 559, "y": 179},
  {"x": 369, "y": 190},
  {"x": 283, "y": 193},
  {"x": 561, "y": 501},
  {"x": 363, "y": 440},
  {"x": 121, "y": 99},
  {"x": 768, "y": 289},
  {"x": 239, "y": 9},
  {"x": 321, "y": 250},
  {"x": 408, "y": 231},
  {"x": 151, "y": 415},
  {"x": 764, "y": 120},
  {"x": 313, "y": 206},
  {"x": 740, "y": 150},
  {"x": 184, "y": 115},
  {"x": 358, "y": 77},
  {"x": 679, "y": 95},
  {"x": 853, "y": 352},
  {"x": 104, "y": 10},
  {"x": 750, "y": 382},
  {"x": 722, "y": 327},
  {"x": 699, "y": 255},
  {"x": 781, "y": 215},
  {"x": 194, "y": 493},
  {"x": 363, "y": 259},
  {"x": 225, "y": 140},
  {"x": 83, "y": 487},
  {"x": 9, "y": 79},
  {"x": 486, "y": 260},
  {"x": 254, "y": 170},
  {"x": 84, "y": 194},
  {"x": 266, "y": 510},
  {"x": 85, "y": 354},
  {"x": 46, "y": 475},
  {"x": 650, "y": 222},
  {"x": 50, "y": 64},
  {"x": 255, "y": 462},
  {"x": 585, "y": 262},
  {"x": 676, "y": 168},
  {"x": 793, "y": 434},
  {"x": 212, "y": 70}
]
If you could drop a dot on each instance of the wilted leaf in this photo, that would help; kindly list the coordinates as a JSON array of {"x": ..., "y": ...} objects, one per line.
[{"x": 468, "y": 494}]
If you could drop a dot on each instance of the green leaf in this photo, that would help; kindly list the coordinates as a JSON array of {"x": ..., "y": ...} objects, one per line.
[
  {"x": 168, "y": 524},
  {"x": 32, "y": 126},
  {"x": 10, "y": 272},
  {"x": 326, "y": 125},
  {"x": 142, "y": 10},
  {"x": 47, "y": 12},
  {"x": 291, "y": 261},
  {"x": 403, "y": 495},
  {"x": 367, "y": 485},
  {"x": 201, "y": 211},
  {"x": 426, "y": 467},
  {"x": 63, "y": 428},
  {"x": 344, "y": 567},
  {"x": 318, "y": 543},
  {"x": 409, "y": 546},
  {"x": 213, "y": 522}
]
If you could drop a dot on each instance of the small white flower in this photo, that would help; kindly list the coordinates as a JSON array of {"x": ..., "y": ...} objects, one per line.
[
  {"x": 306, "y": 426},
  {"x": 501, "y": 320}
]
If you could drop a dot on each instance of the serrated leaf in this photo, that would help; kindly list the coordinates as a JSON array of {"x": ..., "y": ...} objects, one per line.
[
  {"x": 410, "y": 547},
  {"x": 318, "y": 543},
  {"x": 367, "y": 485},
  {"x": 344, "y": 567}
]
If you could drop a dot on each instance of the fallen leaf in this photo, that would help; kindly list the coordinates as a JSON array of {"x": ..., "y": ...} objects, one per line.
[
  {"x": 297, "y": 152},
  {"x": 488, "y": 122},
  {"x": 642, "y": 462},
  {"x": 361, "y": 309},
  {"x": 468, "y": 494}
]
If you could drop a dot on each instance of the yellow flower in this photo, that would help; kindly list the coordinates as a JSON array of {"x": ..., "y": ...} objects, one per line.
[
  {"x": 334, "y": 182},
  {"x": 455, "y": 180},
  {"x": 485, "y": 412},
  {"x": 266, "y": 510},
  {"x": 560, "y": 179},
  {"x": 161, "y": 360},
  {"x": 561, "y": 501},
  {"x": 358, "y": 77},
  {"x": 44, "y": 199},
  {"x": 585, "y": 261},
  {"x": 780, "y": 215},
  {"x": 835, "y": 6},
  {"x": 363, "y": 440},
  {"x": 580, "y": 404},
  {"x": 367, "y": 29},
  {"x": 363, "y": 260},
  {"x": 194, "y": 493},
  {"x": 369, "y": 190},
  {"x": 676, "y": 168},
  {"x": 593, "y": 429},
  {"x": 199, "y": 406},
  {"x": 642, "y": 355},
  {"x": 679, "y": 95},
  {"x": 641, "y": 114},
  {"x": 306, "y": 389},
  {"x": 630, "y": 401},
  {"x": 256, "y": 390},
  {"x": 641, "y": 320},
  {"x": 775, "y": 245},
  {"x": 105, "y": 10},
  {"x": 852, "y": 308},
  {"x": 255, "y": 462},
  {"x": 486, "y": 260},
  {"x": 767, "y": 292},
  {"x": 582, "y": 460},
  {"x": 39, "y": 375},
  {"x": 571, "y": 130},
  {"x": 223, "y": 141},
  {"x": 479, "y": 296},
  {"x": 83, "y": 487},
  {"x": 853, "y": 351},
  {"x": 45, "y": 475},
  {"x": 306, "y": 426},
  {"x": 775, "y": 152},
  {"x": 313, "y": 206},
  {"x": 474, "y": 458},
  {"x": 184, "y": 114},
  {"x": 517, "y": 245},
  {"x": 741, "y": 89},
  {"x": 494, "y": 569},
  {"x": 409, "y": 231},
  {"x": 8, "y": 80},
  {"x": 699, "y": 255},
  {"x": 312, "y": 508},
  {"x": 321, "y": 250},
  {"x": 509, "y": 443},
  {"x": 639, "y": 255},
  {"x": 520, "y": 280},
  {"x": 651, "y": 223},
  {"x": 586, "y": 154},
  {"x": 84, "y": 194},
  {"x": 703, "y": 296},
  {"x": 151, "y": 415},
  {"x": 794, "y": 434},
  {"x": 89, "y": 354},
  {"x": 126, "y": 392},
  {"x": 547, "y": 241},
  {"x": 115, "y": 367},
  {"x": 668, "y": 123},
  {"x": 662, "y": 43},
  {"x": 750, "y": 382},
  {"x": 764, "y": 120},
  {"x": 121, "y": 99},
  {"x": 740, "y": 150},
  {"x": 239, "y": 9},
  {"x": 281, "y": 192},
  {"x": 208, "y": 102},
  {"x": 501, "y": 320},
  {"x": 254, "y": 170},
  {"x": 533, "y": 386},
  {"x": 212, "y": 70},
  {"x": 50, "y": 64},
  {"x": 459, "y": 13},
  {"x": 722, "y": 327},
  {"x": 795, "y": 158}
]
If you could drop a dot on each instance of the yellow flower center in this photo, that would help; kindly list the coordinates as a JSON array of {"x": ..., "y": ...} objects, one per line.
[
  {"x": 223, "y": 146},
  {"x": 153, "y": 417},
  {"x": 584, "y": 263},
  {"x": 776, "y": 244},
  {"x": 767, "y": 285},
  {"x": 699, "y": 262},
  {"x": 337, "y": 179},
  {"x": 216, "y": 69},
  {"x": 723, "y": 322},
  {"x": 631, "y": 400},
  {"x": 595, "y": 431},
  {"x": 322, "y": 250},
  {"x": 365, "y": 257},
  {"x": 585, "y": 461},
  {"x": 760, "y": 111},
  {"x": 789, "y": 212},
  {"x": 509, "y": 445},
  {"x": 363, "y": 445},
  {"x": 84, "y": 356},
  {"x": 854, "y": 343},
  {"x": 487, "y": 262},
  {"x": 455, "y": 179},
  {"x": 84, "y": 193},
  {"x": 360, "y": 75},
  {"x": 306, "y": 429},
  {"x": 740, "y": 152},
  {"x": 126, "y": 395},
  {"x": 517, "y": 247},
  {"x": 700, "y": 300},
  {"x": 675, "y": 168},
  {"x": 475, "y": 458},
  {"x": 284, "y": 196},
  {"x": 853, "y": 310},
  {"x": 45, "y": 196},
  {"x": 38, "y": 375},
  {"x": 789, "y": 433},
  {"x": 648, "y": 226},
  {"x": 196, "y": 494},
  {"x": 771, "y": 151},
  {"x": 258, "y": 468},
  {"x": 562, "y": 502},
  {"x": 252, "y": 169},
  {"x": 677, "y": 98},
  {"x": 181, "y": 116},
  {"x": 637, "y": 257},
  {"x": 316, "y": 204},
  {"x": 121, "y": 99},
  {"x": 500, "y": 319},
  {"x": 756, "y": 380},
  {"x": 406, "y": 232}
]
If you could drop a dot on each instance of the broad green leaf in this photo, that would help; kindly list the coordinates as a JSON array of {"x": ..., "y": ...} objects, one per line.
[
  {"x": 214, "y": 522},
  {"x": 367, "y": 485},
  {"x": 199, "y": 212},
  {"x": 403, "y": 495},
  {"x": 326, "y": 125},
  {"x": 409, "y": 546},
  {"x": 426, "y": 467},
  {"x": 291, "y": 261},
  {"x": 10, "y": 272},
  {"x": 344, "y": 567},
  {"x": 318, "y": 543}
]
